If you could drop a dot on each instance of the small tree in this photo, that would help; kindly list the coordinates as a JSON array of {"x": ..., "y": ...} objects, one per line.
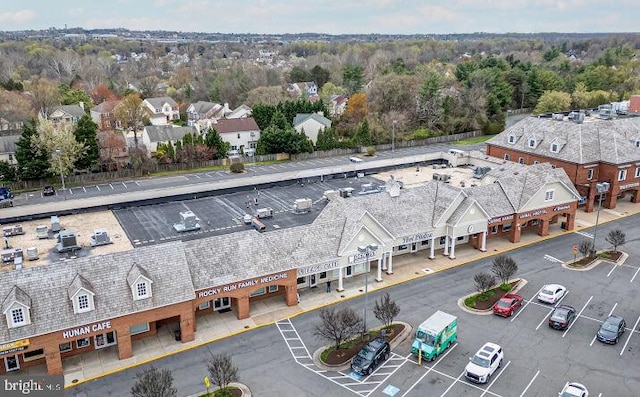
[
  {"x": 222, "y": 372},
  {"x": 504, "y": 267},
  {"x": 338, "y": 325},
  {"x": 616, "y": 237},
  {"x": 484, "y": 281},
  {"x": 585, "y": 247},
  {"x": 236, "y": 168},
  {"x": 153, "y": 382},
  {"x": 386, "y": 310}
]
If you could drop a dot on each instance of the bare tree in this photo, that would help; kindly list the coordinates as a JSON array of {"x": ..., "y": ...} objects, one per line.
[
  {"x": 45, "y": 95},
  {"x": 616, "y": 237},
  {"x": 483, "y": 281},
  {"x": 504, "y": 267},
  {"x": 386, "y": 310},
  {"x": 222, "y": 372},
  {"x": 338, "y": 325},
  {"x": 153, "y": 382},
  {"x": 585, "y": 247},
  {"x": 131, "y": 114}
]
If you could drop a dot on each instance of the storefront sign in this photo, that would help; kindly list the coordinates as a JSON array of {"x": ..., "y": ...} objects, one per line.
[
  {"x": 629, "y": 185},
  {"x": 360, "y": 257},
  {"x": 242, "y": 284},
  {"x": 501, "y": 219},
  {"x": 87, "y": 329},
  {"x": 561, "y": 207},
  {"x": 532, "y": 214},
  {"x": 313, "y": 269},
  {"x": 417, "y": 237},
  {"x": 16, "y": 346}
]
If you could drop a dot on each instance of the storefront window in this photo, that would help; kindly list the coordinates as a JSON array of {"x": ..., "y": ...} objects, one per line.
[
  {"x": 259, "y": 291},
  {"x": 323, "y": 275},
  {"x": 80, "y": 343},
  {"x": 204, "y": 305},
  {"x": 105, "y": 340},
  {"x": 139, "y": 328},
  {"x": 506, "y": 228},
  {"x": 33, "y": 355},
  {"x": 65, "y": 347},
  {"x": 273, "y": 288}
]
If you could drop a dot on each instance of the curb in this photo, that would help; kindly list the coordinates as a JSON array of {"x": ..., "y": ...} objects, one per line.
[
  {"x": 408, "y": 330},
  {"x": 620, "y": 261},
  {"x": 246, "y": 392},
  {"x": 521, "y": 283}
]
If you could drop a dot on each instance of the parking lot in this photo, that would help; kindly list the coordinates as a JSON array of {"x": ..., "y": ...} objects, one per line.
[
  {"x": 223, "y": 214},
  {"x": 538, "y": 360}
]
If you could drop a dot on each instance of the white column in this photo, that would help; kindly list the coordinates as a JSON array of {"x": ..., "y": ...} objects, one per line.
[
  {"x": 483, "y": 246},
  {"x": 379, "y": 278},
  {"x": 390, "y": 270},
  {"x": 453, "y": 248},
  {"x": 384, "y": 261},
  {"x": 433, "y": 248},
  {"x": 446, "y": 246},
  {"x": 340, "y": 288}
]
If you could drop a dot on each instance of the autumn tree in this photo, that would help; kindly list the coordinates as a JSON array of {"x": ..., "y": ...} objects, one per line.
[
  {"x": 102, "y": 93},
  {"x": 132, "y": 115},
  {"x": 112, "y": 145},
  {"x": 266, "y": 95},
  {"x": 357, "y": 108},
  {"x": 59, "y": 144},
  {"x": 553, "y": 101},
  {"x": 15, "y": 106},
  {"x": 85, "y": 134},
  {"x": 45, "y": 95}
]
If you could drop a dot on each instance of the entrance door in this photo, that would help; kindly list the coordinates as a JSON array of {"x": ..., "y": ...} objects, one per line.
[
  {"x": 313, "y": 281},
  {"x": 11, "y": 363},
  {"x": 414, "y": 247},
  {"x": 222, "y": 304}
]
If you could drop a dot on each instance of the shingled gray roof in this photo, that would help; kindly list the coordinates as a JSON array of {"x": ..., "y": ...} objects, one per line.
[
  {"x": 75, "y": 110},
  {"x": 165, "y": 133},
  {"x": 52, "y": 310},
  {"x": 78, "y": 283},
  {"x": 158, "y": 102},
  {"x": 302, "y": 117},
  {"x": 596, "y": 140},
  {"x": 135, "y": 272}
]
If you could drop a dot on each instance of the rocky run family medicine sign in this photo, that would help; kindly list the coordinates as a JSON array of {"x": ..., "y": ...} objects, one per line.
[{"x": 242, "y": 284}]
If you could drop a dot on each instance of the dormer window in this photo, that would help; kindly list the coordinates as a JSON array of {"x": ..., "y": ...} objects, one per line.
[
  {"x": 142, "y": 291},
  {"x": 16, "y": 308},
  {"x": 555, "y": 148},
  {"x": 512, "y": 138},
  {"x": 140, "y": 283},
  {"x": 637, "y": 142},
  {"x": 532, "y": 142},
  {"x": 83, "y": 303},
  {"x": 17, "y": 317},
  {"x": 81, "y": 295}
]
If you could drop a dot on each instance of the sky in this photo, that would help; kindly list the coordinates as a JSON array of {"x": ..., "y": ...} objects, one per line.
[{"x": 327, "y": 16}]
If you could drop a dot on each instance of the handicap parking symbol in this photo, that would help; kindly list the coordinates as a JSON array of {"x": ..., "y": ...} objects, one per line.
[
  {"x": 355, "y": 375},
  {"x": 390, "y": 390}
]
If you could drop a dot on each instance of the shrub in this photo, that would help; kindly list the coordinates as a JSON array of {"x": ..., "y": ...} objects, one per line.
[
  {"x": 505, "y": 287},
  {"x": 236, "y": 168},
  {"x": 371, "y": 151},
  {"x": 420, "y": 133},
  {"x": 604, "y": 255},
  {"x": 471, "y": 301},
  {"x": 492, "y": 128}
]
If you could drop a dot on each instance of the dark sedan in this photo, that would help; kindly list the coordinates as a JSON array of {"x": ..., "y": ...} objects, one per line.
[
  {"x": 562, "y": 316},
  {"x": 48, "y": 191},
  {"x": 611, "y": 330},
  {"x": 373, "y": 354}
]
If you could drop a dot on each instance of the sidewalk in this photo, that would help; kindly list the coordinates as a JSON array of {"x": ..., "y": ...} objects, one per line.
[{"x": 215, "y": 326}]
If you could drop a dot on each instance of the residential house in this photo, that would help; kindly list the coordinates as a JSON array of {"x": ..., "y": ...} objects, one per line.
[
  {"x": 304, "y": 90},
  {"x": 103, "y": 115},
  {"x": 8, "y": 140},
  {"x": 152, "y": 135},
  {"x": 242, "y": 134},
  {"x": 203, "y": 110},
  {"x": 311, "y": 124},
  {"x": 590, "y": 149},
  {"x": 337, "y": 104},
  {"x": 239, "y": 112},
  {"x": 67, "y": 114},
  {"x": 162, "y": 110}
]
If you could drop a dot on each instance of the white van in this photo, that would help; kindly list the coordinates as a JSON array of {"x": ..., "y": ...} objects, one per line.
[
  {"x": 456, "y": 152},
  {"x": 355, "y": 159}
]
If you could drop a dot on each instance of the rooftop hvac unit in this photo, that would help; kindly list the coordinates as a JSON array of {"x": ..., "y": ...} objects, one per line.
[
  {"x": 188, "y": 222},
  {"x": 100, "y": 237},
  {"x": 557, "y": 116},
  {"x": 302, "y": 205},
  {"x": 67, "y": 240},
  {"x": 14, "y": 230},
  {"x": 330, "y": 194},
  {"x": 42, "y": 231},
  {"x": 266, "y": 212},
  {"x": 55, "y": 224},
  {"x": 32, "y": 253},
  {"x": 346, "y": 192},
  {"x": 368, "y": 188}
]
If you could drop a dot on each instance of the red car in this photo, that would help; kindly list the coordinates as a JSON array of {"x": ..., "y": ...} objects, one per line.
[{"x": 507, "y": 305}]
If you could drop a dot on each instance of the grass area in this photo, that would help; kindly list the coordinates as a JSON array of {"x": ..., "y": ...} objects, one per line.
[
  {"x": 471, "y": 141},
  {"x": 374, "y": 333}
]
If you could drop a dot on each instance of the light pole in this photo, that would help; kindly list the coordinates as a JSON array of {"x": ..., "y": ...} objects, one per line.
[
  {"x": 59, "y": 155},
  {"x": 393, "y": 135},
  {"x": 602, "y": 188},
  {"x": 253, "y": 153},
  {"x": 367, "y": 250}
]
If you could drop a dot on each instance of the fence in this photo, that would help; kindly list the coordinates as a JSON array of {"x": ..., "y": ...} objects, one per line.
[{"x": 123, "y": 174}]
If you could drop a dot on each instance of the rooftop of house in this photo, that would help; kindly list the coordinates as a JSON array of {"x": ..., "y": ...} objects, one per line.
[{"x": 236, "y": 125}]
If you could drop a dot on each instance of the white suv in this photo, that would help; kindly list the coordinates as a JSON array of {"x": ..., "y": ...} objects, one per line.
[{"x": 484, "y": 363}]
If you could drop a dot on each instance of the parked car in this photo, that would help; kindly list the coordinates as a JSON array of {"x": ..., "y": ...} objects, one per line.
[
  {"x": 551, "y": 293},
  {"x": 574, "y": 389},
  {"x": 373, "y": 354},
  {"x": 48, "y": 191},
  {"x": 611, "y": 330},
  {"x": 507, "y": 305},
  {"x": 562, "y": 316},
  {"x": 484, "y": 363}
]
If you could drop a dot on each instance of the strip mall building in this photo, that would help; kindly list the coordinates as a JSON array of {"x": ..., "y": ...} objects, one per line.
[{"x": 56, "y": 311}]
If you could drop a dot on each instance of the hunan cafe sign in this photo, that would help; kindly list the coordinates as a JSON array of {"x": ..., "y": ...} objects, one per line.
[{"x": 242, "y": 284}]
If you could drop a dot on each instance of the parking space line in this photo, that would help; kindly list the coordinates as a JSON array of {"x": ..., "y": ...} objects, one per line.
[
  {"x": 577, "y": 317},
  {"x": 634, "y": 275},
  {"x": 629, "y": 337},
  {"x": 610, "y": 313},
  {"x": 496, "y": 378},
  {"x": 526, "y": 304},
  {"x": 612, "y": 269},
  {"x": 429, "y": 370},
  {"x": 125, "y": 185},
  {"x": 98, "y": 187},
  {"x": 544, "y": 319},
  {"x": 453, "y": 384},
  {"x": 84, "y": 189},
  {"x": 530, "y": 383},
  {"x": 112, "y": 188}
]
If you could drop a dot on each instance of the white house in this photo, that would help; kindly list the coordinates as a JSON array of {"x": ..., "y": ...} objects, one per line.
[
  {"x": 152, "y": 135},
  {"x": 162, "y": 110},
  {"x": 240, "y": 112},
  {"x": 311, "y": 124},
  {"x": 203, "y": 110},
  {"x": 242, "y": 134},
  {"x": 67, "y": 114}
]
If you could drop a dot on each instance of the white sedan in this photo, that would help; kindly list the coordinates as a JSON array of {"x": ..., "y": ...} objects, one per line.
[
  {"x": 574, "y": 389},
  {"x": 551, "y": 293}
]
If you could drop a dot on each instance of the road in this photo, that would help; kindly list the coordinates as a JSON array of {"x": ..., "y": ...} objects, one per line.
[{"x": 538, "y": 360}]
